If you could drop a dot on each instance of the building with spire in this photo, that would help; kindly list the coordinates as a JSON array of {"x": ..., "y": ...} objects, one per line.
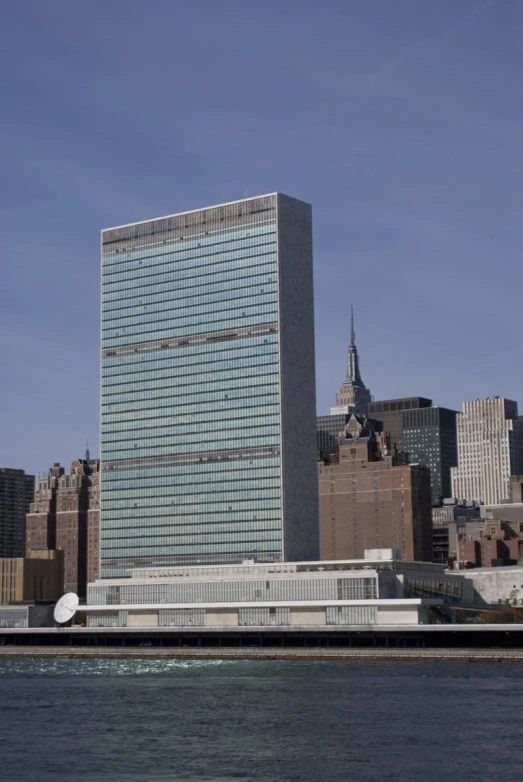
[{"x": 352, "y": 395}]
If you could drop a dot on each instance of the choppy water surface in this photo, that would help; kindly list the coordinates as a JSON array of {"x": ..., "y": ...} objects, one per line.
[{"x": 83, "y": 720}]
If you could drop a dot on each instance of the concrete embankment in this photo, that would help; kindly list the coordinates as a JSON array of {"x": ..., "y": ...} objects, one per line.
[{"x": 317, "y": 655}]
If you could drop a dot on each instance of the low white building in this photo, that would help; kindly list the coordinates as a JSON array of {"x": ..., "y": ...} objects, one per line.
[
  {"x": 379, "y": 590},
  {"x": 494, "y": 585}
]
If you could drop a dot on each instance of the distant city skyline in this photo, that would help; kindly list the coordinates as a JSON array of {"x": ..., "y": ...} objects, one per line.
[{"x": 401, "y": 123}]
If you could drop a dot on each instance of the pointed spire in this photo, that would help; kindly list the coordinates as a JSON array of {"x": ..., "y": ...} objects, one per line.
[
  {"x": 353, "y": 393},
  {"x": 87, "y": 452},
  {"x": 353, "y": 367}
]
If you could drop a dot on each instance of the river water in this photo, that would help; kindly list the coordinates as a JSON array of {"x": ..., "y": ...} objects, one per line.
[{"x": 211, "y": 721}]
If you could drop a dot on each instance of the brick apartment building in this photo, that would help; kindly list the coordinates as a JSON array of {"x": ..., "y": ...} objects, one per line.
[
  {"x": 65, "y": 515},
  {"x": 369, "y": 500}
]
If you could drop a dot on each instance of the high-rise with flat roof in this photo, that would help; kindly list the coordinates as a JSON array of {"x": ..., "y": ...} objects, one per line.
[
  {"x": 490, "y": 450},
  {"x": 208, "y": 388},
  {"x": 16, "y": 494},
  {"x": 429, "y": 438},
  {"x": 390, "y": 413}
]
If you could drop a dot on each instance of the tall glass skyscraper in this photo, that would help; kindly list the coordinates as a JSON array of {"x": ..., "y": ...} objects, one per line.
[{"x": 208, "y": 388}]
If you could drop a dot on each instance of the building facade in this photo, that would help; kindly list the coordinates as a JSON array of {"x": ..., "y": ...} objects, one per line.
[
  {"x": 390, "y": 413},
  {"x": 487, "y": 543},
  {"x": 352, "y": 396},
  {"x": 330, "y": 430},
  {"x": 208, "y": 388},
  {"x": 446, "y": 519},
  {"x": 16, "y": 494},
  {"x": 65, "y": 515},
  {"x": 490, "y": 450},
  {"x": 376, "y": 590},
  {"x": 39, "y": 577},
  {"x": 367, "y": 500},
  {"x": 429, "y": 438}
]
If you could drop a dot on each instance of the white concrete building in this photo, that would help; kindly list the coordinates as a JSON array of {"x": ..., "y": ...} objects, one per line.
[
  {"x": 379, "y": 590},
  {"x": 490, "y": 450},
  {"x": 494, "y": 585}
]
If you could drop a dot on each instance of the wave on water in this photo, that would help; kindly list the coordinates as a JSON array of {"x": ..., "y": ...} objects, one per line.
[{"x": 35, "y": 666}]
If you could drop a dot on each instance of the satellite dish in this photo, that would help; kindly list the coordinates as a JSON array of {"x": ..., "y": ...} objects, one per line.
[{"x": 66, "y": 607}]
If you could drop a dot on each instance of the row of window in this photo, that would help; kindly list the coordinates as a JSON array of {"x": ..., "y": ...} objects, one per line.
[
  {"x": 257, "y": 364},
  {"x": 166, "y": 391},
  {"x": 176, "y": 507},
  {"x": 194, "y": 430},
  {"x": 218, "y": 549},
  {"x": 199, "y": 355},
  {"x": 192, "y": 434},
  {"x": 207, "y": 352},
  {"x": 254, "y": 299},
  {"x": 199, "y": 315},
  {"x": 206, "y": 271},
  {"x": 250, "y": 468},
  {"x": 189, "y": 447},
  {"x": 237, "y": 401},
  {"x": 209, "y": 281},
  {"x": 188, "y": 268},
  {"x": 240, "y": 285},
  {"x": 278, "y": 590},
  {"x": 161, "y": 525},
  {"x": 213, "y": 221},
  {"x": 179, "y": 252},
  {"x": 136, "y": 420},
  {"x": 167, "y": 310},
  {"x": 187, "y": 494},
  {"x": 238, "y": 536},
  {"x": 146, "y": 517},
  {"x": 265, "y": 315},
  {"x": 255, "y": 376},
  {"x": 196, "y": 482},
  {"x": 351, "y": 615}
]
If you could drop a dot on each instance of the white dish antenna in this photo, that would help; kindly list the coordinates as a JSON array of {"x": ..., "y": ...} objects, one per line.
[{"x": 66, "y": 608}]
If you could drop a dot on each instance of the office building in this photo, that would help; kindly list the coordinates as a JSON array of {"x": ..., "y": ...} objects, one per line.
[
  {"x": 352, "y": 396},
  {"x": 39, "y": 577},
  {"x": 368, "y": 500},
  {"x": 208, "y": 388},
  {"x": 429, "y": 438},
  {"x": 16, "y": 494},
  {"x": 379, "y": 589},
  {"x": 490, "y": 450},
  {"x": 390, "y": 413},
  {"x": 65, "y": 515}
]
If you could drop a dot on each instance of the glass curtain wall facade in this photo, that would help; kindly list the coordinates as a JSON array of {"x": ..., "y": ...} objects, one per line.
[
  {"x": 429, "y": 438},
  {"x": 208, "y": 400}
]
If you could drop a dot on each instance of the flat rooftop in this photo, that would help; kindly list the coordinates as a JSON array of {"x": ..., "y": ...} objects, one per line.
[{"x": 248, "y": 568}]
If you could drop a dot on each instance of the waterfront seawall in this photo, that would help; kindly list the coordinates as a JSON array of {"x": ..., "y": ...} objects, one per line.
[{"x": 289, "y": 654}]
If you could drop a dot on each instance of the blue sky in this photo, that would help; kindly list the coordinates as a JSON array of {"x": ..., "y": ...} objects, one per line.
[{"x": 401, "y": 122}]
